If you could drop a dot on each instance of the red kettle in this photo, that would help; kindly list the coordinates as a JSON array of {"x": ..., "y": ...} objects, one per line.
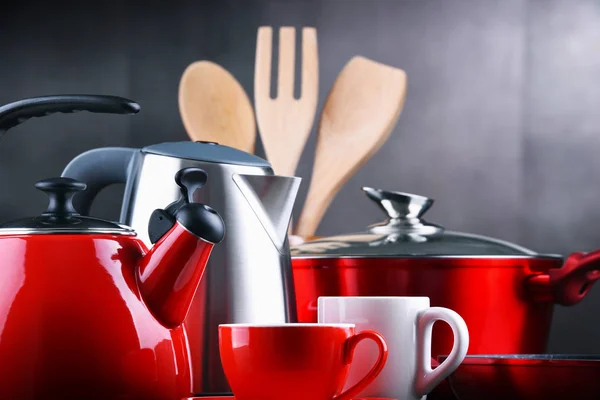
[{"x": 86, "y": 310}]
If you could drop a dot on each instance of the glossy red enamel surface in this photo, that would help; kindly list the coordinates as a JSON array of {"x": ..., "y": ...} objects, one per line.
[
  {"x": 507, "y": 303},
  {"x": 232, "y": 398},
  {"x": 73, "y": 323},
  {"x": 169, "y": 279},
  {"x": 517, "y": 379},
  {"x": 293, "y": 362}
]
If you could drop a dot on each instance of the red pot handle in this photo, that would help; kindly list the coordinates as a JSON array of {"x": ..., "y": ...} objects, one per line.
[{"x": 569, "y": 284}]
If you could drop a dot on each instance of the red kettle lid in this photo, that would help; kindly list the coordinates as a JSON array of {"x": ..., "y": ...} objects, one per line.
[{"x": 61, "y": 216}]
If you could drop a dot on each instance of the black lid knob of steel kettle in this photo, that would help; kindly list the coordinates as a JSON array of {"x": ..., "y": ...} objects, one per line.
[{"x": 60, "y": 192}]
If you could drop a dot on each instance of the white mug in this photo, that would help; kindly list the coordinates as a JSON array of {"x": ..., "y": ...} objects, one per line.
[{"x": 406, "y": 323}]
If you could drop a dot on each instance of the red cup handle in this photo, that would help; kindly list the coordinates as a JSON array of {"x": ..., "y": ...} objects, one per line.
[{"x": 350, "y": 345}]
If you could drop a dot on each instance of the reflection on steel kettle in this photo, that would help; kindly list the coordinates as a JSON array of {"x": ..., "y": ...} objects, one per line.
[{"x": 248, "y": 277}]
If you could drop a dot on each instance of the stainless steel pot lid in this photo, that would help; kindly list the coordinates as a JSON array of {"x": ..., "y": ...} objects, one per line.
[
  {"x": 406, "y": 233},
  {"x": 516, "y": 360},
  {"x": 550, "y": 357},
  {"x": 61, "y": 217}
]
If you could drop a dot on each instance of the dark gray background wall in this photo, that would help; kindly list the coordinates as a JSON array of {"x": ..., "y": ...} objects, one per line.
[{"x": 501, "y": 124}]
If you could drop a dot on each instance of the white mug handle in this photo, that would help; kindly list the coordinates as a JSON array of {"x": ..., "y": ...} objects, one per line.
[{"x": 427, "y": 378}]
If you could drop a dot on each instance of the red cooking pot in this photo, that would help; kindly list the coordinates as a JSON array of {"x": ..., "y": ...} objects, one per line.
[
  {"x": 505, "y": 293},
  {"x": 527, "y": 377}
]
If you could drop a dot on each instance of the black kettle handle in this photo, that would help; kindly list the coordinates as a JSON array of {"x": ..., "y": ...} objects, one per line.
[{"x": 20, "y": 111}]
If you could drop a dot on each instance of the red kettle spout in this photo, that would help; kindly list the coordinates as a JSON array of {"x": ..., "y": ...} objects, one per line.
[{"x": 169, "y": 274}]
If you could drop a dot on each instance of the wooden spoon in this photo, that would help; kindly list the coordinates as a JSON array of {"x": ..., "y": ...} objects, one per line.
[
  {"x": 285, "y": 122},
  {"x": 360, "y": 112},
  {"x": 214, "y": 107}
]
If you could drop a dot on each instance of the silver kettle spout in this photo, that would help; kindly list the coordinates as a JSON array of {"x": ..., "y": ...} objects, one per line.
[{"x": 272, "y": 200}]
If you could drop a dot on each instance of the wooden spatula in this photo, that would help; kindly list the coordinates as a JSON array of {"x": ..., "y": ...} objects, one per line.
[
  {"x": 214, "y": 107},
  {"x": 285, "y": 122},
  {"x": 360, "y": 112}
]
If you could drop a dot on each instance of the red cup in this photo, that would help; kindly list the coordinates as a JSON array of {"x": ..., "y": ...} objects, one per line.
[{"x": 294, "y": 361}]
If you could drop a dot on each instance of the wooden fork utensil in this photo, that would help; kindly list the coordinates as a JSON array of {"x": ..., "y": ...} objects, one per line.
[{"x": 285, "y": 122}]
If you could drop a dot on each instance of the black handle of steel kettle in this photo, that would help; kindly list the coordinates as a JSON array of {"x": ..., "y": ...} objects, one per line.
[
  {"x": 20, "y": 111},
  {"x": 99, "y": 168}
]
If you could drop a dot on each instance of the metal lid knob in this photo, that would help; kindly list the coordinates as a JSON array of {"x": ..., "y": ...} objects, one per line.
[{"x": 404, "y": 211}]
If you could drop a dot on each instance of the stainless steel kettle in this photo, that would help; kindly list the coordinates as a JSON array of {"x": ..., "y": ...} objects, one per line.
[{"x": 248, "y": 278}]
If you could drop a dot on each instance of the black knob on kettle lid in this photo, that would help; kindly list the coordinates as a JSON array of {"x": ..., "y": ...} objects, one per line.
[{"x": 60, "y": 192}]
